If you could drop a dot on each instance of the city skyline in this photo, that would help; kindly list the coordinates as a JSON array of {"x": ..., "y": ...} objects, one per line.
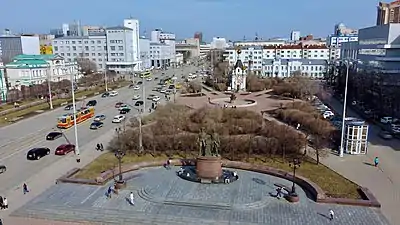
[{"x": 186, "y": 17}]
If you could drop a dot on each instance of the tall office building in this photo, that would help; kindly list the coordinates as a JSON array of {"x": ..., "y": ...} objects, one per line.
[
  {"x": 388, "y": 13},
  {"x": 295, "y": 35},
  {"x": 199, "y": 35}
]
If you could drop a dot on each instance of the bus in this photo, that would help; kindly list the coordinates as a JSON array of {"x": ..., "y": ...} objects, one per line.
[
  {"x": 67, "y": 120},
  {"x": 145, "y": 74}
]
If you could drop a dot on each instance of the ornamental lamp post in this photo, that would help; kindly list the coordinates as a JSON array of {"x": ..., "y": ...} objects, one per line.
[
  {"x": 119, "y": 154},
  {"x": 294, "y": 164}
]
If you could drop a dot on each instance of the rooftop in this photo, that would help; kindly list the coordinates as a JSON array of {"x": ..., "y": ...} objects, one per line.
[
  {"x": 118, "y": 28},
  {"x": 36, "y": 57},
  {"x": 80, "y": 37},
  {"x": 27, "y": 63}
]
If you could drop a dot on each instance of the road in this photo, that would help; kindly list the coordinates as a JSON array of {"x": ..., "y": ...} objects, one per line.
[
  {"x": 18, "y": 138},
  {"x": 383, "y": 181}
]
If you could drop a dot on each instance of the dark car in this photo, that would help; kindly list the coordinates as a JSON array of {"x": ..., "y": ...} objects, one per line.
[
  {"x": 124, "y": 110},
  {"x": 105, "y": 94},
  {"x": 96, "y": 125},
  {"x": 132, "y": 86},
  {"x": 139, "y": 83},
  {"x": 37, "y": 153},
  {"x": 91, "y": 103},
  {"x": 64, "y": 149},
  {"x": 139, "y": 103},
  {"x": 53, "y": 135},
  {"x": 118, "y": 104},
  {"x": 3, "y": 168},
  {"x": 69, "y": 107}
]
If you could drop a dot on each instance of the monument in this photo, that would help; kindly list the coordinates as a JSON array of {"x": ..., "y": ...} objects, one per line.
[
  {"x": 208, "y": 167},
  {"x": 238, "y": 74}
]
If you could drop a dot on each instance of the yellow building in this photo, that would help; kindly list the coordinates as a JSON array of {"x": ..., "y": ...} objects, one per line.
[{"x": 46, "y": 49}]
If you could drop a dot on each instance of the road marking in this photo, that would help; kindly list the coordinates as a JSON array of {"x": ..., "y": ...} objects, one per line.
[{"x": 89, "y": 196}]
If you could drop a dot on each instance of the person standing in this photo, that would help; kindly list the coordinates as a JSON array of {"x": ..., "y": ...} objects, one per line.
[
  {"x": 376, "y": 161},
  {"x": 5, "y": 203},
  {"x": 1, "y": 203},
  {"x": 109, "y": 191},
  {"x": 131, "y": 198},
  {"x": 101, "y": 147},
  {"x": 25, "y": 188},
  {"x": 331, "y": 214}
]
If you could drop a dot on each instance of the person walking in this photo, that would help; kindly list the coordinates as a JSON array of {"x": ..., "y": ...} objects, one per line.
[
  {"x": 25, "y": 188},
  {"x": 1, "y": 203},
  {"x": 131, "y": 198},
  {"x": 98, "y": 148},
  {"x": 101, "y": 147},
  {"x": 5, "y": 203},
  {"x": 109, "y": 191},
  {"x": 331, "y": 214},
  {"x": 376, "y": 161}
]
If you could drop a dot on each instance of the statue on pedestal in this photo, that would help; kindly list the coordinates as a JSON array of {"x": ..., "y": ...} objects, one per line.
[
  {"x": 208, "y": 143},
  {"x": 215, "y": 144}
]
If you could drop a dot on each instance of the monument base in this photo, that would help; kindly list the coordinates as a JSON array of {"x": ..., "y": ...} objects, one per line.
[{"x": 209, "y": 167}]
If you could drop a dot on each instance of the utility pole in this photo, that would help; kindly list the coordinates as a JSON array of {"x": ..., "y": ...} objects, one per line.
[
  {"x": 49, "y": 86},
  {"x": 105, "y": 68},
  {"x": 141, "y": 115},
  {"x": 77, "y": 152}
]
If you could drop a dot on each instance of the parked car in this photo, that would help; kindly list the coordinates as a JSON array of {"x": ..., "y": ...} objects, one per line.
[
  {"x": 64, "y": 149},
  {"x": 124, "y": 110},
  {"x": 385, "y": 135},
  {"x": 136, "y": 97},
  {"x": 131, "y": 85},
  {"x": 69, "y": 107},
  {"x": 118, "y": 119},
  {"x": 91, "y": 103},
  {"x": 150, "y": 97},
  {"x": 3, "y": 168},
  {"x": 139, "y": 103},
  {"x": 136, "y": 87},
  {"x": 149, "y": 79},
  {"x": 328, "y": 114},
  {"x": 156, "y": 99},
  {"x": 99, "y": 117},
  {"x": 118, "y": 104},
  {"x": 53, "y": 135},
  {"x": 113, "y": 93},
  {"x": 386, "y": 120},
  {"x": 96, "y": 125},
  {"x": 37, "y": 153},
  {"x": 105, "y": 95},
  {"x": 139, "y": 82}
]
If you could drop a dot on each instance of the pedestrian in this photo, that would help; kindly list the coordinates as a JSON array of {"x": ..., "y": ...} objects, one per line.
[
  {"x": 279, "y": 192},
  {"x": 131, "y": 198},
  {"x": 109, "y": 191},
  {"x": 25, "y": 188},
  {"x": 101, "y": 147},
  {"x": 331, "y": 214},
  {"x": 98, "y": 147},
  {"x": 1, "y": 203},
  {"x": 376, "y": 161},
  {"x": 5, "y": 203}
]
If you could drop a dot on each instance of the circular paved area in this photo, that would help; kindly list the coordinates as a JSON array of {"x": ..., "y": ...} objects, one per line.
[{"x": 161, "y": 197}]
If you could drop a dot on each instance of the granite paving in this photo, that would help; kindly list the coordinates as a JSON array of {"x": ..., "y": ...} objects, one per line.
[{"x": 161, "y": 197}]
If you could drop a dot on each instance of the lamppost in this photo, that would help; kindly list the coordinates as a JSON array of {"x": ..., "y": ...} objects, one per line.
[
  {"x": 294, "y": 164},
  {"x": 347, "y": 63},
  {"x": 49, "y": 85},
  {"x": 119, "y": 154},
  {"x": 77, "y": 152}
]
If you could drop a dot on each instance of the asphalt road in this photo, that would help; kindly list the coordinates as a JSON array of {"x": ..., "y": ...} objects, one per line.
[{"x": 18, "y": 138}]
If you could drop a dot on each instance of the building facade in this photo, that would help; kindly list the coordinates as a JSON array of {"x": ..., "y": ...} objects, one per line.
[
  {"x": 388, "y": 13},
  {"x": 341, "y": 35},
  {"x": 13, "y": 45},
  {"x": 72, "y": 49},
  {"x": 145, "y": 53},
  {"x": 37, "y": 69},
  {"x": 169, "y": 39},
  {"x": 313, "y": 68},
  {"x": 160, "y": 55},
  {"x": 259, "y": 43},
  {"x": 3, "y": 83},
  {"x": 219, "y": 43},
  {"x": 295, "y": 35}
]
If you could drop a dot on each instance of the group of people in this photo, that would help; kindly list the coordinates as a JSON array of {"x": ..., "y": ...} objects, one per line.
[
  {"x": 99, "y": 147},
  {"x": 3, "y": 203}
]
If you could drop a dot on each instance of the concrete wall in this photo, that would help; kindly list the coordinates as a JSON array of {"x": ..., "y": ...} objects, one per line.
[
  {"x": 30, "y": 45},
  {"x": 11, "y": 46},
  {"x": 145, "y": 53}
]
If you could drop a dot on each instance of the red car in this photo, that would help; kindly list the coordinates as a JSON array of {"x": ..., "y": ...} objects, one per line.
[
  {"x": 118, "y": 104},
  {"x": 64, "y": 149}
]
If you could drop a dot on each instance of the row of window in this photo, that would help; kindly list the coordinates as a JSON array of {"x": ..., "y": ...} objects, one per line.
[
  {"x": 294, "y": 68},
  {"x": 55, "y": 42},
  {"x": 231, "y": 52},
  {"x": 286, "y": 74},
  {"x": 116, "y": 41},
  {"x": 79, "y": 48},
  {"x": 79, "y": 54}
]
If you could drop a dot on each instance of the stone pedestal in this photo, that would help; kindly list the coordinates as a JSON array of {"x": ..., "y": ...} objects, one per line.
[
  {"x": 120, "y": 184},
  {"x": 292, "y": 198},
  {"x": 208, "y": 168}
]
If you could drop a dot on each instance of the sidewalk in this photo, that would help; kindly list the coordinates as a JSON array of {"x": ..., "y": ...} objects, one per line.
[{"x": 46, "y": 178}]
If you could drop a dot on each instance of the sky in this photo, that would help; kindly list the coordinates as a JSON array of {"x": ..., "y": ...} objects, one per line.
[{"x": 232, "y": 19}]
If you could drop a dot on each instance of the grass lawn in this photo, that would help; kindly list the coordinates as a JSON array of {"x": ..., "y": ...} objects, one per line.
[
  {"x": 31, "y": 111},
  {"x": 331, "y": 182}
]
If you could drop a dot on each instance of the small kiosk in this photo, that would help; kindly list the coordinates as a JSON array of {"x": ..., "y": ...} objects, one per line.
[{"x": 355, "y": 136}]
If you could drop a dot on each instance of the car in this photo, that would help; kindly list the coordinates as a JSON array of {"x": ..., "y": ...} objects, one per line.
[
  {"x": 136, "y": 97},
  {"x": 99, "y": 117},
  {"x": 155, "y": 78},
  {"x": 150, "y": 97},
  {"x": 139, "y": 82},
  {"x": 136, "y": 87},
  {"x": 118, "y": 104},
  {"x": 3, "y": 168},
  {"x": 328, "y": 114},
  {"x": 124, "y": 110},
  {"x": 53, "y": 135},
  {"x": 96, "y": 125},
  {"x": 118, "y": 119},
  {"x": 156, "y": 99},
  {"x": 91, "y": 103},
  {"x": 396, "y": 130},
  {"x": 385, "y": 135},
  {"x": 37, "y": 153},
  {"x": 69, "y": 107},
  {"x": 386, "y": 120},
  {"x": 64, "y": 149},
  {"x": 105, "y": 95},
  {"x": 149, "y": 79},
  {"x": 163, "y": 91},
  {"x": 131, "y": 85},
  {"x": 171, "y": 86},
  {"x": 139, "y": 103},
  {"x": 113, "y": 93}
]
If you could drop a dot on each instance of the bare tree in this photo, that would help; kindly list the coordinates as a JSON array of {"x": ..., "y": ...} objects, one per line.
[{"x": 86, "y": 66}]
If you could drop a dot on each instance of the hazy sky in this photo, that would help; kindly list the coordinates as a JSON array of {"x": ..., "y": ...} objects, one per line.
[{"x": 233, "y": 19}]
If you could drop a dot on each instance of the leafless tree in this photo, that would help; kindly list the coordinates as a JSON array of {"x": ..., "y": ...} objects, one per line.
[{"x": 86, "y": 65}]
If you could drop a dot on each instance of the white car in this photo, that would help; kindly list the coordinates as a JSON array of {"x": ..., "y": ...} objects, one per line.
[
  {"x": 156, "y": 99},
  {"x": 386, "y": 120},
  {"x": 149, "y": 79},
  {"x": 136, "y": 97},
  {"x": 113, "y": 93},
  {"x": 136, "y": 87},
  {"x": 327, "y": 114},
  {"x": 118, "y": 119}
]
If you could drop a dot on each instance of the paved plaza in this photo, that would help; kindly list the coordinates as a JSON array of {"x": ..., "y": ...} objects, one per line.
[{"x": 161, "y": 197}]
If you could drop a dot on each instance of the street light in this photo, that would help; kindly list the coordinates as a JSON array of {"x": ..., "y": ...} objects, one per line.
[
  {"x": 119, "y": 154},
  {"x": 347, "y": 63},
  {"x": 77, "y": 152},
  {"x": 49, "y": 85},
  {"x": 295, "y": 164}
]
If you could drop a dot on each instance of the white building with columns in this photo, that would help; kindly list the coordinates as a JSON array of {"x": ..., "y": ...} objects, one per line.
[
  {"x": 239, "y": 75},
  {"x": 37, "y": 69}
]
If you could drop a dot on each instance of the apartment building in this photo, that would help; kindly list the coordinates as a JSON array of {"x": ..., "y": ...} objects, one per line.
[{"x": 313, "y": 68}]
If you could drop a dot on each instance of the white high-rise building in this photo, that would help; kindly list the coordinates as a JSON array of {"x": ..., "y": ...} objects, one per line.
[
  {"x": 218, "y": 43},
  {"x": 134, "y": 25},
  {"x": 295, "y": 35}
]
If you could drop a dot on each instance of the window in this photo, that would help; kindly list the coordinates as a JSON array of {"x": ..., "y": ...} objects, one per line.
[
  {"x": 86, "y": 48},
  {"x": 92, "y": 42},
  {"x": 86, "y": 42},
  {"x": 121, "y": 54},
  {"x": 99, "y": 54},
  {"x": 121, "y": 48},
  {"x": 79, "y": 42},
  {"x": 66, "y": 42},
  {"x": 68, "y": 54},
  {"x": 93, "y": 54},
  {"x": 73, "y": 42},
  {"x": 86, "y": 54},
  {"x": 55, "y": 42},
  {"x": 112, "y": 48},
  {"x": 92, "y": 48},
  {"x": 74, "y": 48},
  {"x": 112, "y": 41},
  {"x": 98, "y": 42},
  {"x": 55, "y": 48},
  {"x": 112, "y": 54}
]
